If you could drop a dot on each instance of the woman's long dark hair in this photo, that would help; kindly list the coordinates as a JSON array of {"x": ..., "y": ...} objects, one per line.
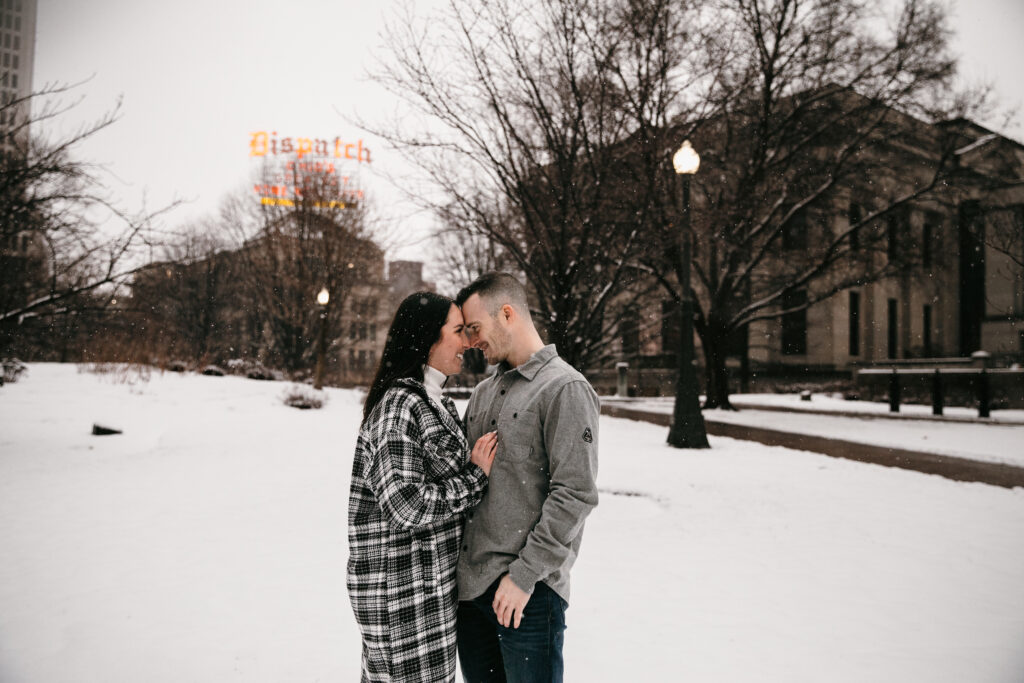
[{"x": 416, "y": 328}]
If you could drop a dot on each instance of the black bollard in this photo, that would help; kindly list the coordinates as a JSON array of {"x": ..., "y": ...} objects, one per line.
[
  {"x": 937, "y": 397},
  {"x": 983, "y": 407},
  {"x": 894, "y": 392}
]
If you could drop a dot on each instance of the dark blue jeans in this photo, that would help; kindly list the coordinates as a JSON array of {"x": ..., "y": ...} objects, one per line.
[{"x": 532, "y": 653}]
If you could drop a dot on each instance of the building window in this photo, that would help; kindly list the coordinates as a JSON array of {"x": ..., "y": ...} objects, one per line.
[
  {"x": 670, "y": 334},
  {"x": 629, "y": 332},
  {"x": 929, "y": 240},
  {"x": 1018, "y": 226},
  {"x": 926, "y": 332},
  {"x": 794, "y": 324},
  {"x": 854, "y": 323},
  {"x": 855, "y": 215},
  {"x": 896, "y": 230},
  {"x": 893, "y": 345},
  {"x": 794, "y": 231}
]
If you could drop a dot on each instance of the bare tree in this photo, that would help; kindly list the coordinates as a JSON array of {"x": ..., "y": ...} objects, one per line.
[
  {"x": 62, "y": 236},
  {"x": 181, "y": 306},
  {"x": 520, "y": 114},
  {"x": 549, "y": 128},
  {"x": 287, "y": 249},
  {"x": 464, "y": 255},
  {"x": 813, "y": 108}
]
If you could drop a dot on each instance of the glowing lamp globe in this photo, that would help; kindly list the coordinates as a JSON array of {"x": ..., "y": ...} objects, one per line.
[{"x": 686, "y": 160}]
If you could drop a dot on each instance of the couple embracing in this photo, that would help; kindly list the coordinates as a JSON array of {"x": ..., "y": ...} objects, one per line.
[{"x": 462, "y": 532}]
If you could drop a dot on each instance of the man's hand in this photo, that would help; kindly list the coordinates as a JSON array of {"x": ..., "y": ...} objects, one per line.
[{"x": 509, "y": 602}]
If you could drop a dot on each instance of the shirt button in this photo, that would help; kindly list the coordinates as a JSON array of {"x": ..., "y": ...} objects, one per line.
[
  {"x": 493, "y": 422},
  {"x": 502, "y": 392},
  {"x": 515, "y": 414}
]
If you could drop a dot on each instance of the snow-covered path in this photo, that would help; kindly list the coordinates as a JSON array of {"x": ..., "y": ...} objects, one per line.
[
  {"x": 989, "y": 442},
  {"x": 207, "y": 543}
]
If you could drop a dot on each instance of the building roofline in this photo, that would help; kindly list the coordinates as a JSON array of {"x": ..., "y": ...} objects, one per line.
[{"x": 987, "y": 134}]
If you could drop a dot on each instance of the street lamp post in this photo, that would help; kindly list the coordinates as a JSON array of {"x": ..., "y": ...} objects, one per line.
[
  {"x": 321, "y": 348},
  {"x": 687, "y": 429}
]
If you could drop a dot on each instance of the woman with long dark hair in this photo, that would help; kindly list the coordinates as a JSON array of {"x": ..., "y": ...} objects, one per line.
[{"x": 413, "y": 479}]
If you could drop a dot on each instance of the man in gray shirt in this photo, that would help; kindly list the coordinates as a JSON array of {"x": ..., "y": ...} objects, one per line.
[{"x": 521, "y": 541}]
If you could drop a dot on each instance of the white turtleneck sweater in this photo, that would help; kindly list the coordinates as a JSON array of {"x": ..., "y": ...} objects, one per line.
[{"x": 433, "y": 379}]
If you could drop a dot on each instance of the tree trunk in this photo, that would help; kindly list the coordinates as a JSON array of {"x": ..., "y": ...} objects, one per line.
[{"x": 714, "y": 344}]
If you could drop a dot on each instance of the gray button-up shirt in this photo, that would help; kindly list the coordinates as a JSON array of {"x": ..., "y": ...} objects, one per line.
[{"x": 543, "y": 481}]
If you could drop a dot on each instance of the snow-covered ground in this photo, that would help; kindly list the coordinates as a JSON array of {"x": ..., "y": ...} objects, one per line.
[
  {"x": 999, "y": 441},
  {"x": 207, "y": 543}
]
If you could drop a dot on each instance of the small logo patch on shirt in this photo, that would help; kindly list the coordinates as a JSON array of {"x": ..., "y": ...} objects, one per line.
[{"x": 588, "y": 436}]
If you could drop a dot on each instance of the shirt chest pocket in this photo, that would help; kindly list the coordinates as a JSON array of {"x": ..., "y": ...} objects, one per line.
[{"x": 518, "y": 436}]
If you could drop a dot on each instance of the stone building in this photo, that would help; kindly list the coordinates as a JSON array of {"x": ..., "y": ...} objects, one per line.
[
  {"x": 963, "y": 290},
  {"x": 961, "y": 294},
  {"x": 368, "y": 313}
]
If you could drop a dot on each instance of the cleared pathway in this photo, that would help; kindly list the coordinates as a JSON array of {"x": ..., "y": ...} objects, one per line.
[{"x": 985, "y": 452}]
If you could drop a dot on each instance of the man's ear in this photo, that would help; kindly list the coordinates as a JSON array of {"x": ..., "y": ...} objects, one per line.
[{"x": 508, "y": 312}]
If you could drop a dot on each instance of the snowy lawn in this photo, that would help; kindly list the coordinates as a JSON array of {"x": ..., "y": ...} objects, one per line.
[{"x": 207, "y": 543}]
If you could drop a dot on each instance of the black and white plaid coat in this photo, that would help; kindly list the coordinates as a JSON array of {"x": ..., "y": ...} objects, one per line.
[{"x": 411, "y": 485}]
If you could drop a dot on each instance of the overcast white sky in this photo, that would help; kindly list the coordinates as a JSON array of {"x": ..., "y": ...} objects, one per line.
[{"x": 198, "y": 76}]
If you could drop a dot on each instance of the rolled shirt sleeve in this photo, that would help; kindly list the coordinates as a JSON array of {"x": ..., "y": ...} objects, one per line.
[{"x": 570, "y": 434}]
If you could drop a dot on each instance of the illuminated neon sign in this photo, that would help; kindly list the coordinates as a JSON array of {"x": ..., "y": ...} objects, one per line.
[
  {"x": 262, "y": 143},
  {"x": 293, "y": 164}
]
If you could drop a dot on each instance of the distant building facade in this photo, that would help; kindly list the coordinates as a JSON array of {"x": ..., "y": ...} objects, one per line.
[
  {"x": 202, "y": 310},
  {"x": 964, "y": 291},
  {"x": 961, "y": 294},
  {"x": 368, "y": 314},
  {"x": 17, "y": 57},
  {"x": 24, "y": 258}
]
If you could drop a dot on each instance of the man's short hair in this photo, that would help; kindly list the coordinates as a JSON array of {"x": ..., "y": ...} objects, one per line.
[{"x": 495, "y": 290}]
